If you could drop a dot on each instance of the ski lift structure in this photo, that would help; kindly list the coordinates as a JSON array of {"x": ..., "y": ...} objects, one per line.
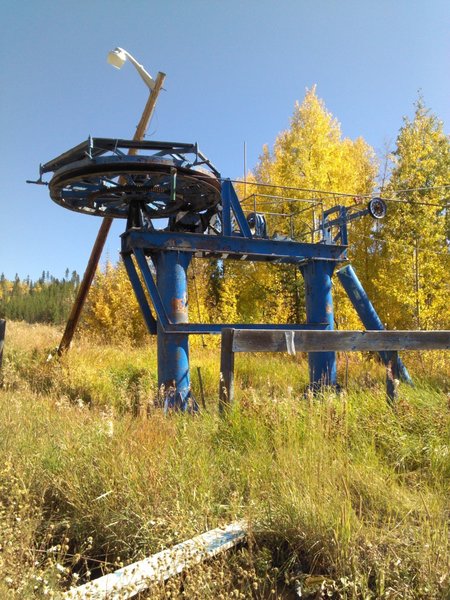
[{"x": 177, "y": 206}]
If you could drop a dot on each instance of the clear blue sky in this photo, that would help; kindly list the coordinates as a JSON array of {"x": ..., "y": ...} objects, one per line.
[{"x": 234, "y": 71}]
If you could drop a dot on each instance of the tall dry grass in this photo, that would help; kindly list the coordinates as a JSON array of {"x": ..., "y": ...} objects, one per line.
[{"x": 340, "y": 487}]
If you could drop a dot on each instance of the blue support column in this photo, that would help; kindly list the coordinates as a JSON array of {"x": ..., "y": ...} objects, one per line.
[
  {"x": 227, "y": 227},
  {"x": 319, "y": 309},
  {"x": 173, "y": 348},
  {"x": 367, "y": 313}
]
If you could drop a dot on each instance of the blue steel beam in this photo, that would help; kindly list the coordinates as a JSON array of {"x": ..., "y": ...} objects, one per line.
[
  {"x": 231, "y": 247},
  {"x": 226, "y": 209},
  {"x": 167, "y": 325},
  {"x": 152, "y": 289},
  {"x": 232, "y": 201},
  {"x": 367, "y": 313},
  {"x": 149, "y": 319}
]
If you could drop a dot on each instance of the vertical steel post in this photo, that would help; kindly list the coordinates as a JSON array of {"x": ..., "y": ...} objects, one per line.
[
  {"x": 319, "y": 309},
  {"x": 367, "y": 313},
  {"x": 173, "y": 348}
]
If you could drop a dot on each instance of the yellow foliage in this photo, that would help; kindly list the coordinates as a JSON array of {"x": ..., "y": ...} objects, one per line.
[
  {"x": 402, "y": 262},
  {"x": 112, "y": 311},
  {"x": 414, "y": 262},
  {"x": 311, "y": 154}
]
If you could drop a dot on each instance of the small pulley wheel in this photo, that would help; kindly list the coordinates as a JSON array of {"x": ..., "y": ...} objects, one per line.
[{"x": 377, "y": 208}]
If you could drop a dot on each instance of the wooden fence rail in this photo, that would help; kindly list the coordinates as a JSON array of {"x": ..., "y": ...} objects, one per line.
[{"x": 263, "y": 340}]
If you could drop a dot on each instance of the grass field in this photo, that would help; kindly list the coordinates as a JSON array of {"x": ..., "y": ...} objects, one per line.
[{"x": 346, "y": 497}]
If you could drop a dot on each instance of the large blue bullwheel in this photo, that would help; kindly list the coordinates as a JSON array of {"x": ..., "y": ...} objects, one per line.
[
  {"x": 175, "y": 183},
  {"x": 110, "y": 188}
]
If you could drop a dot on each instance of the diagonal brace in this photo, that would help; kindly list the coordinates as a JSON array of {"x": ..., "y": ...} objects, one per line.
[
  {"x": 151, "y": 288},
  {"x": 136, "y": 284}
]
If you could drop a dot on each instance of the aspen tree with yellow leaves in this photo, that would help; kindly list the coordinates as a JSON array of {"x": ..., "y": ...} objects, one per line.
[
  {"x": 402, "y": 261},
  {"x": 311, "y": 154},
  {"x": 412, "y": 272},
  {"x": 111, "y": 311}
]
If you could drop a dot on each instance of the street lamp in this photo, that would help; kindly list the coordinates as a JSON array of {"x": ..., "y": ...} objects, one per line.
[{"x": 117, "y": 59}]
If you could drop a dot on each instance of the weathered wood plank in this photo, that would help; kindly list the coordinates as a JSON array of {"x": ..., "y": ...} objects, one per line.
[
  {"x": 345, "y": 341},
  {"x": 136, "y": 578}
]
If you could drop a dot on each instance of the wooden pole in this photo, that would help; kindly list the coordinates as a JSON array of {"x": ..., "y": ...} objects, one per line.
[
  {"x": 245, "y": 170},
  {"x": 2, "y": 340},
  {"x": 226, "y": 385},
  {"x": 417, "y": 280},
  {"x": 99, "y": 243},
  {"x": 202, "y": 393},
  {"x": 392, "y": 378}
]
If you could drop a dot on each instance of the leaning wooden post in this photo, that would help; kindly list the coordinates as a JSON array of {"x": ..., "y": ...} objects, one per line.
[
  {"x": 99, "y": 243},
  {"x": 226, "y": 385},
  {"x": 2, "y": 340}
]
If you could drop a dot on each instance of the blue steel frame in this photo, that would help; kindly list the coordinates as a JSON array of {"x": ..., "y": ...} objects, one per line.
[
  {"x": 345, "y": 214},
  {"x": 167, "y": 255}
]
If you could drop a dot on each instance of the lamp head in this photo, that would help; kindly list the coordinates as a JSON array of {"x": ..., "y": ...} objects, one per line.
[{"x": 117, "y": 58}]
